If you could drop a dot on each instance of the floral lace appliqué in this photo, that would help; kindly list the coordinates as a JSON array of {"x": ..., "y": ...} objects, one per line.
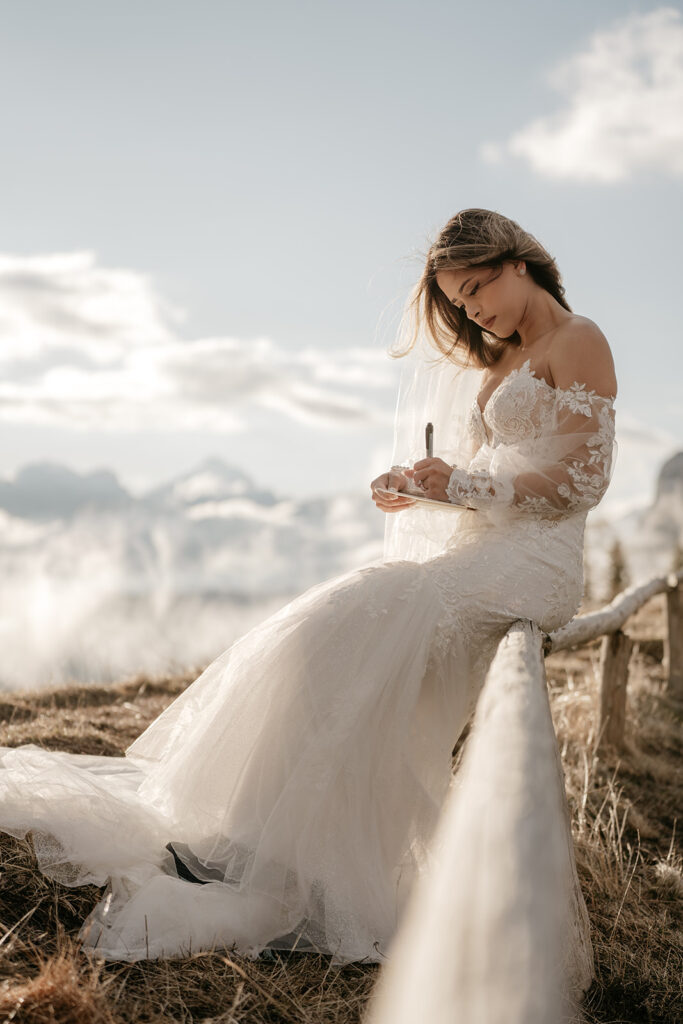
[{"x": 550, "y": 453}]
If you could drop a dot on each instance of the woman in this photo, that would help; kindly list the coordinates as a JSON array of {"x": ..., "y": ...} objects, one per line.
[{"x": 287, "y": 798}]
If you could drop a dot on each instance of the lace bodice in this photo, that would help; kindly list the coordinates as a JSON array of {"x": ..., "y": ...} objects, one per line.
[
  {"x": 524, "y": 408},
  {"x": 536, "y": 449}
]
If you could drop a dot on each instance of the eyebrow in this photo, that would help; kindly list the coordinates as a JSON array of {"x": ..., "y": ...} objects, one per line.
[{"x": 462, "y": 286}]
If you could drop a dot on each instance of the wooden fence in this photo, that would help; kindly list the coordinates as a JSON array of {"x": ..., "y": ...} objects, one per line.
[
  {"x": 496, "y": 930},
  {"x": 617, "y": 648}
]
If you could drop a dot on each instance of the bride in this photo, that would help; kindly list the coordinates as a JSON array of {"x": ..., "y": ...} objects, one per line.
[{"x": 287, "y": 798}]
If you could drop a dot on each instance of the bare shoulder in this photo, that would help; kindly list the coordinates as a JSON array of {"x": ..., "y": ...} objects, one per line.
[{"x": 581, "y": 353}]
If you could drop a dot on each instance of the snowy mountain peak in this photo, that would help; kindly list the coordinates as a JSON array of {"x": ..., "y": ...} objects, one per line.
[
  {"x": 670, "y": 478},
  {"x": 211, "y": 480},
  {"x": 50, "y": 490}
]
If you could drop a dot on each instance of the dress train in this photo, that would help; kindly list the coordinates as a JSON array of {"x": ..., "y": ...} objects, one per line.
[{"x": 306, "y": 765}]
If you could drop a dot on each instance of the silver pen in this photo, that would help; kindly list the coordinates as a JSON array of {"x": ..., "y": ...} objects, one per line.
[{"x": 429, "y": 440}]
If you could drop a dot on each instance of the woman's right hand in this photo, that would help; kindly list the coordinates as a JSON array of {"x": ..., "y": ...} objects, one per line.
[{"x": 385, "y": 502}]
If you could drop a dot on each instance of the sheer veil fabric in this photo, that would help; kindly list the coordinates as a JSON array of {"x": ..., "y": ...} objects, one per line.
[
  {"x": 507, "y": 476},
  {"x": 439, "y": 391},
  {"x": 304, "y": 772}
]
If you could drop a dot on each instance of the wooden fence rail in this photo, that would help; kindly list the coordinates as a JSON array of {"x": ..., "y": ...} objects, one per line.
[
  {"x": 497, "y": 928},
  {"x": 617, "y": 648},
  {"x": 478, "y": 942}
]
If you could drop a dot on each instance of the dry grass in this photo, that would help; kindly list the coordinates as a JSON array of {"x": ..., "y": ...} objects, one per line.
[
  {"x": 627, "y": 814},
  {"x": 626, "y": 809}
]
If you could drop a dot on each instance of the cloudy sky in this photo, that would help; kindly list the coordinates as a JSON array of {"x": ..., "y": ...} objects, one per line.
[{"x": 211, "y": 212}]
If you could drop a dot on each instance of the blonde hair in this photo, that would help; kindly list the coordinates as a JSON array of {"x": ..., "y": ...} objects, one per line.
[{"x": 472, "y": 238}]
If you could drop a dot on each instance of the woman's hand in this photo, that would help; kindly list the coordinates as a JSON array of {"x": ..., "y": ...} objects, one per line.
[
  {"x": 390, "y": 503},
  {"x": 434, "y": 475}
]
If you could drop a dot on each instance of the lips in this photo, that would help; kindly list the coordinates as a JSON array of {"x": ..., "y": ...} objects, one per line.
[{"x": 486, "y": 324}]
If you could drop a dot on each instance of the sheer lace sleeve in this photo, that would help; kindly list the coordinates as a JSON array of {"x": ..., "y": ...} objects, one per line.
[{"x": 564, "y": 470}]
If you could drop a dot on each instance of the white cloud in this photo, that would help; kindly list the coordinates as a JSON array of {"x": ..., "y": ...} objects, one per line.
[
  {"x": 94, "y": 348},
  {"x": 623, "y": 110},
  {"x": 64, "y": 301}
]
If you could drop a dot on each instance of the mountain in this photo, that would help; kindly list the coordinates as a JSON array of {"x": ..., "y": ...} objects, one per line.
[
  {"x": 670, "y": 480},
  {"x": 212, "y": 480},
  {"x": 649, "y": 535},
  {"x": 48, "y": 490},
  {"x": 659, "y": 529},
  {"x": 99, "y": 583}
]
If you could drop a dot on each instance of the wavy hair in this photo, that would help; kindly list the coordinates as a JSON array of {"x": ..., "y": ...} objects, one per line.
[{"x": 472, "y": 238}]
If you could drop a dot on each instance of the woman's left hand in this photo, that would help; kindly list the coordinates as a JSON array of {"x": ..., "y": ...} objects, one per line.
[{"x": 434, "y": 475}]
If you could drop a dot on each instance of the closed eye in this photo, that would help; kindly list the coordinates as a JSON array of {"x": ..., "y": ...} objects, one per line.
[{"x": 469, "y": 294}]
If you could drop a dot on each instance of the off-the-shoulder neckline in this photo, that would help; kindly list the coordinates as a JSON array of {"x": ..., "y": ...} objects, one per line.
[{"x": 574, "y": 387}]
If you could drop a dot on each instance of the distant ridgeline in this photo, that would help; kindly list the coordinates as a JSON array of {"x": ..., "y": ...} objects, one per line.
[
  {"x": 648, "y": 541},
  {"x": 99, "y": 583}
]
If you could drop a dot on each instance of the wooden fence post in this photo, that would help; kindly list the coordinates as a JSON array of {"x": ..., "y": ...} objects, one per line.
[
  {"x": 673, "y": 640},
  {"x": 614, "y": 657}
]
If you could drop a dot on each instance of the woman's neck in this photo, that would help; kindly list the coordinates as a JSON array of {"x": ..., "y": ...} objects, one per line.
[{"x": 542, "y": 315}]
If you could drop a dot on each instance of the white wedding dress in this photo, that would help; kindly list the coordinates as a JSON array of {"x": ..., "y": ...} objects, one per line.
[{"x": 302, "y": 774}]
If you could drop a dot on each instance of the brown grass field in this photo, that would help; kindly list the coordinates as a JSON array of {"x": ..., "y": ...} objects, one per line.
[{"x": 626, "y": 810}]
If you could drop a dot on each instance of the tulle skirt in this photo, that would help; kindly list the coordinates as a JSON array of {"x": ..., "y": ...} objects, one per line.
[{"x": 302, "y": 774}]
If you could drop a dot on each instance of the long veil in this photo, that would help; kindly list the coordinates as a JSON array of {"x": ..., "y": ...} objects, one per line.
[{"x": 432, "y": 389}]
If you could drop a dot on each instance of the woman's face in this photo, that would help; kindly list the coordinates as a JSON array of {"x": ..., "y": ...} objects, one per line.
[{"x": 493, "y": 297}]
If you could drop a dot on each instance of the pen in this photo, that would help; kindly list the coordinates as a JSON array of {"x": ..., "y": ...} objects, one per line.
[{"x": 429, "y": 439}]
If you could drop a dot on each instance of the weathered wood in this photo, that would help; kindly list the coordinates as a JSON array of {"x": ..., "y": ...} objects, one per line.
[
  {"x": 497, "y": 926},
  {"x": 673, "y": 641},
  {"x": 584, "y": 628},
  {"x": 614, "y": 658}
]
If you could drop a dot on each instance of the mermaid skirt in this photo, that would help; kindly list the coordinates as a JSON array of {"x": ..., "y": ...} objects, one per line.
[{"x": 302, "y": 773}]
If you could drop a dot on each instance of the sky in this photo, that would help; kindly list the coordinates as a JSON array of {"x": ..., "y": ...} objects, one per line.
[{"x": 212, "y": 212}]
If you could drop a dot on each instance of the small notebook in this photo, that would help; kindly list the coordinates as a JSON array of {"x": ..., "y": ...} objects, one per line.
[{"x": 422, "y": 500}]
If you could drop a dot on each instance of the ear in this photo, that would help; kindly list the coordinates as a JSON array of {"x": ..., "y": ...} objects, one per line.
[{"x": 520, "y": 267}]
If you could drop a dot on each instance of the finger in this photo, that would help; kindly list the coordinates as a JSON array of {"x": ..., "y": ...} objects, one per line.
[
  {"x": 399, "y": 499},
  {"x": 392, "y": 506},
  {"x": 395, "y": 508}
]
